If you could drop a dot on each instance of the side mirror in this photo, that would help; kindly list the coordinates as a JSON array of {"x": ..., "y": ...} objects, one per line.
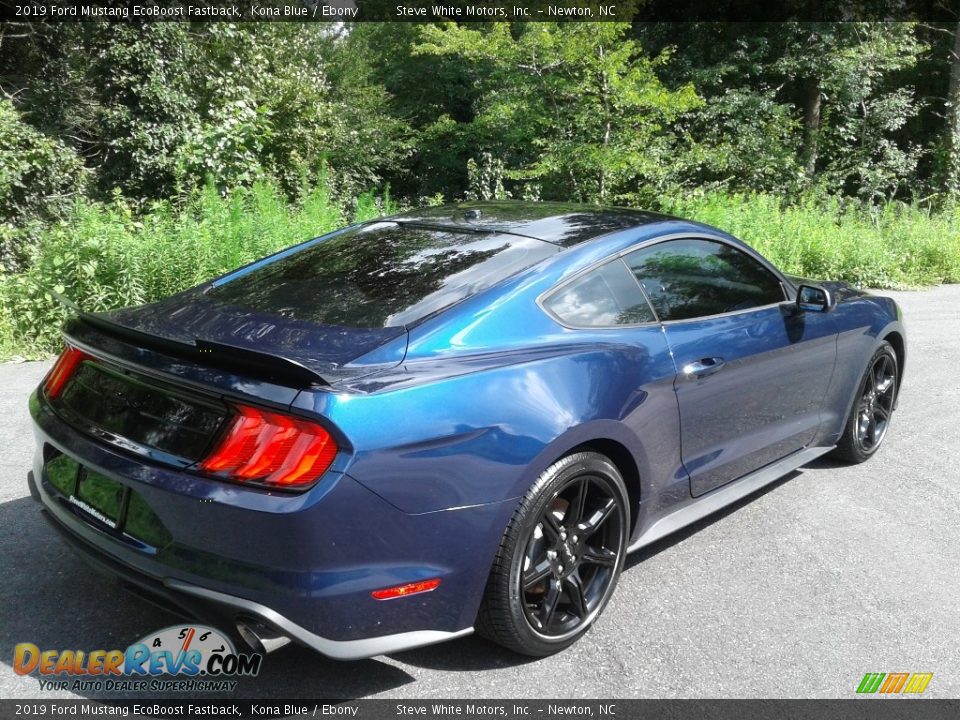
[{"x": 813, "y": 298}]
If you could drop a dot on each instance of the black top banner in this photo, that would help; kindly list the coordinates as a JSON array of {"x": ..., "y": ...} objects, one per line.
[{"x": 478, "y": 10}]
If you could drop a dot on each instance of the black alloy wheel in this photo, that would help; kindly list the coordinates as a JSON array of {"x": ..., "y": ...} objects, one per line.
[
  {"x": 876, "y": 404},
  {"x": 559, "y": 559},
  {"x": 872, "y": 408}
]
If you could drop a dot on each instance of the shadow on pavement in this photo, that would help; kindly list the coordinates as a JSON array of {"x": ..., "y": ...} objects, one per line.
[
  {"x": 826, "y": 462},
  {"x": 464, "y": 655},
  {"x": 680, "y": 535}
]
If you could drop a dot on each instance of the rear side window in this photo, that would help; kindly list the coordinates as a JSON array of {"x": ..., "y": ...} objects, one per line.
[
  {"x": 696, "y": 278},
  {"x": 604, "y": 297},
  {"x": 381, "y": 275}
]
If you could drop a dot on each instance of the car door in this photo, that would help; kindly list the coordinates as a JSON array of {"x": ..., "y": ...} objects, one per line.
[{"x": 752, "y": 372}]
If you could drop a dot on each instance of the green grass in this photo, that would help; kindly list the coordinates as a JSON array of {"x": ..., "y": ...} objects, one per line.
[
  {"x": 104, "y": 256},
  {"x": 894, "y": 246}
]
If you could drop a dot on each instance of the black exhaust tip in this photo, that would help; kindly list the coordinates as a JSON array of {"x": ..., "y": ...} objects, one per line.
[{"x": 260, "y": 637}]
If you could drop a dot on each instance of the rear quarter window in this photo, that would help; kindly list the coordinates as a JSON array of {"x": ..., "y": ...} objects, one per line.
[{"x": 605, "y": 297}]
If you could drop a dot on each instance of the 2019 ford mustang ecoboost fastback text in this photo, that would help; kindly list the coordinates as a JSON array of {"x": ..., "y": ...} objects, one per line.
[{"x": 455, "y": 418}]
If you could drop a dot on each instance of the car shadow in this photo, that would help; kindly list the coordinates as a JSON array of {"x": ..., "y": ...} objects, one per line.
[
  {"x": 55, "y": 601},
  {"x": 463, "y": 655},
  {"x": 679, "y": 536},
  {"x": 825, "y": 462}
]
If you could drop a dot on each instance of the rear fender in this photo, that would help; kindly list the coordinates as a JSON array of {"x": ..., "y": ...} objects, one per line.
[
  {"x": 591, "y": 436},
  {"x": 486, "y": 436}
]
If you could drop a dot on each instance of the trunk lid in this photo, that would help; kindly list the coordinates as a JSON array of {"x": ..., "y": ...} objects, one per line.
[{"x": 214, "y": 331}]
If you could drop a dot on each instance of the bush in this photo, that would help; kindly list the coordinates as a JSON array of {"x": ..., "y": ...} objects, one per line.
[
  {"x": 890, "y": 246},
  {"x": 102, "y": 256},
  {"x": 39, "y": 180}
]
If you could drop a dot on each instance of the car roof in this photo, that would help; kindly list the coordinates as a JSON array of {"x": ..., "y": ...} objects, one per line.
[{"x": 563, "y": 224}]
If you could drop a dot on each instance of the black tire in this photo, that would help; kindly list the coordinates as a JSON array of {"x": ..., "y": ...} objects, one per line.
[
  {"x": 872, "y": 409},
  {"x": 559, "y": 558}
]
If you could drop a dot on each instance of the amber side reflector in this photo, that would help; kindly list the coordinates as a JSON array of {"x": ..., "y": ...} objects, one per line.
[
  {"x": 413, "y": 588},
  {"x": 61, "y": 371}
]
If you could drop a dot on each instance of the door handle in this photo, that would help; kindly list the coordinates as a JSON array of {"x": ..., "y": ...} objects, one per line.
[{"x": 703, "y": 367}]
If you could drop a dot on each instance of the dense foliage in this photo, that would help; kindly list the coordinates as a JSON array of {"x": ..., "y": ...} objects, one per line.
[
  {"x": 137, "y": 159},
  {"x": 39, "y": 177}
]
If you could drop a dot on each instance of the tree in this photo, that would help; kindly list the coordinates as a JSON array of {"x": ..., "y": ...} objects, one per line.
[
  {"x": 952, "y": 140},
  {"x": 39, "y": 179},
  {"x": 843, "y": 72},
  {"x": 437, "y": 111},
  {"x": 577, "y": 108},
  {"x": 833, "y": 101},
  {"x": 157, "y": 108},
  {"x": 275, "y": 103}
]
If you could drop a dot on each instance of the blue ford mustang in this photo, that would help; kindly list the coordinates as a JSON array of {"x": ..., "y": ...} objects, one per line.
[{"x": 452, "y": 419}]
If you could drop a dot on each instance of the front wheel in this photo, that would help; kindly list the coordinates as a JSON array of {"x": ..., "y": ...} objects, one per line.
[
  {"x": 559, "y": 559},
  {"x": 872, "y": 408}
]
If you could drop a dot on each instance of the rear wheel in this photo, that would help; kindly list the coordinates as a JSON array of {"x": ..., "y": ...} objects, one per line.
[
  {"x": 872, "y": 407},
  {"x": 559, "y": 559}
]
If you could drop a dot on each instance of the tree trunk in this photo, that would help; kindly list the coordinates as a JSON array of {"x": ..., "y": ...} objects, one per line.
[
  {"x": 811, "y": 126},
  {"x": 952, "y": 174}
]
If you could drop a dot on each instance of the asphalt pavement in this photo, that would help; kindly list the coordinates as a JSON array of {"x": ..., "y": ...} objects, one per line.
[{"x": 797, "y": 591}]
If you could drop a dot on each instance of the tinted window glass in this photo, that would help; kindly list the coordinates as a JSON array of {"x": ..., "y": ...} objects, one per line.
[
  {"x": 603, "y": 297},
  {"x": 695, "y": 278},
  {"x": 380, "y": 276}
]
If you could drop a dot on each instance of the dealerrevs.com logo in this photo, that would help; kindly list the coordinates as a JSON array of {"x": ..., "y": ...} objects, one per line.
[{"x": 201, "y": 655}]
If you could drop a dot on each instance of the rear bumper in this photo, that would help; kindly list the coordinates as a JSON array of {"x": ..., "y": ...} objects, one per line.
[
  {"x": 337, "y": 649},
  {"x": 222, "y": 610},
  {"x": 304, "y": 565}
]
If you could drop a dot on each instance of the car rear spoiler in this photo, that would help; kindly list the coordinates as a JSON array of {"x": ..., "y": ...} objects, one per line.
[{"x": 267, "y": 366}]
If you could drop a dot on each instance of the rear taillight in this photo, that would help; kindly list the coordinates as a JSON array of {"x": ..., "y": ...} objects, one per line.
[
  {"x": 271, "y": 449},
  {"x": 61, "y": 371}
]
